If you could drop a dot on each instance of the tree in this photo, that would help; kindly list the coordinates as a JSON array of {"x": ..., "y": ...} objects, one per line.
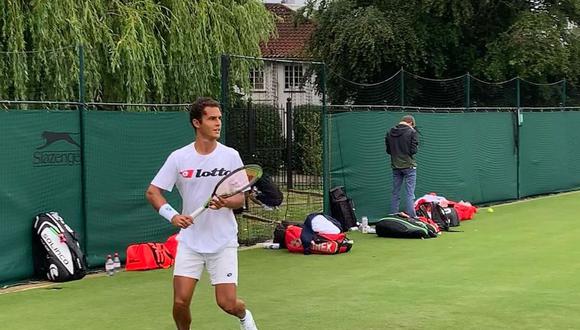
[
  {"x": 367, "y": 41},
  {"x": 155, "y": 51},
  {"x": 533, "y": 48},
  {"x": 363, "y": 44}
]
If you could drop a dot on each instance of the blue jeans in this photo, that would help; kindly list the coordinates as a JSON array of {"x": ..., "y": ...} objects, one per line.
[{"x": 409, "y": 175}]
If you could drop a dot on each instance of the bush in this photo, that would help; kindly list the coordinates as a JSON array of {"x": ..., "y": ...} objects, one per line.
[
  {"x": 269, "y": 140},
  {"x": 308, "y": 139}
]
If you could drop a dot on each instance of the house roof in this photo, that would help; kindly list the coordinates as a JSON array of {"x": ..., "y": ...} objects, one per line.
[{"x": 291, "y": 41}]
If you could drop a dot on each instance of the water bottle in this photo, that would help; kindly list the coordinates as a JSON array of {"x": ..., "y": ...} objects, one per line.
[
  {"x": 273, "y": 246},
  {"x": 364, "y": 225},
  {"x": 117, "y": 262},
  {"x": 110, "y": 266}
]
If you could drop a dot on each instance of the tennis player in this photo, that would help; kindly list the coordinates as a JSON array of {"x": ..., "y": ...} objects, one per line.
[{"x": 211, "y": 241}]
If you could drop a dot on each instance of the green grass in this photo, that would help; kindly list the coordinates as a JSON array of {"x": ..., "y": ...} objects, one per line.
[{"x": 516, "y": 268}]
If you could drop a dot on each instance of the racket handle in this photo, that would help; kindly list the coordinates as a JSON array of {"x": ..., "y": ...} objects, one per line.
[{"x": 197, "y": 212}]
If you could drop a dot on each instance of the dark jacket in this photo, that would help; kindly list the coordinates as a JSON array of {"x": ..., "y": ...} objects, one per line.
[{"x": 402, "y": 142}]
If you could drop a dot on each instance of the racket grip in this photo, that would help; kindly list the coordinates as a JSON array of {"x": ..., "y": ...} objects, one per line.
[{"x": 197, "y": 212}]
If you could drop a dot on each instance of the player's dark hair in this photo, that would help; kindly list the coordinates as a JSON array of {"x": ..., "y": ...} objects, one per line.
[{"x": 196, "y": 110}]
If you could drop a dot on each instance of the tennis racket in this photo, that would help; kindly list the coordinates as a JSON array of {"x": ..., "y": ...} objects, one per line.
[{"x": 234, "y": 183}]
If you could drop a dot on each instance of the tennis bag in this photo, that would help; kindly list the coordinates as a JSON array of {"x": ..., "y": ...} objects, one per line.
[
  {"x": 146, "y": 256},
  {"x": 303, "y": 239},
  {"x": 451, "y": 214},
  {"x": 398, "y": 226},
  {"x": 342, "y": 208},
  {"x": 465, "y": 211},
  {"x": 321, "y": 244},
  {"x": 56, "y": 250},
  {"x": 435, "y": 212},
  {"x": 171, "y": 245},
  {"x": 280, "y": 232}
]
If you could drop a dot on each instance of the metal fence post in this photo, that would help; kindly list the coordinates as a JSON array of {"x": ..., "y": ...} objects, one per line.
[
  {"x": 251, "y": 112},
  {"x": 518, "y": 102},
  {"x": 519, "y": 120},
  {"x": 225, "y": 75},
  {"x": 402, "y": 87},
  {"x": 467, "y": 91},
  {"x": 289, "y": 134},
  {"x": 564, "y": 93},
  {"x": 325, "y": 144},
  {"x": 81, "y": 110}
]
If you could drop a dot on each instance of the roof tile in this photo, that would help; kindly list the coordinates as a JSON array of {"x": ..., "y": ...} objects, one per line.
[{"x": 292, "y": 39}]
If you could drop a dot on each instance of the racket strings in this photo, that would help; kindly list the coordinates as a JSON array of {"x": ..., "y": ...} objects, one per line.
[{"x": 238, "y": 181}]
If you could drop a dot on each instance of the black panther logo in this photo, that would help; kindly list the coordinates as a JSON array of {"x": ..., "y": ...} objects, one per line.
[{"x": 52, "y": 137}]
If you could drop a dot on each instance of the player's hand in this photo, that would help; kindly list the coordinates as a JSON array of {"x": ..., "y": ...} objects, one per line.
[
  {"x": 182, "y": 221},
  {"x": 217, "y": 203}
]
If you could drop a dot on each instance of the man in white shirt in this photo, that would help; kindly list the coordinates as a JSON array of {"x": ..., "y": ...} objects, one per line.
[{"x": 211, "y": 241}]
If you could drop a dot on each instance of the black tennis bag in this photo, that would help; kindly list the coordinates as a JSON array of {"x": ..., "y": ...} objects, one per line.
[
  {"x": 56, "y": 250},
  {"x": 342, "y": 208},
  {"x": 400, "y": 227},
  {"x": 452, "y": 215},
  {"x": 435, "y": 212}
]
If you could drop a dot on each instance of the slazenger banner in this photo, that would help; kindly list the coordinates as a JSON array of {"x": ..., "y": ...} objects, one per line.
[{"x": 40, "y": 166}]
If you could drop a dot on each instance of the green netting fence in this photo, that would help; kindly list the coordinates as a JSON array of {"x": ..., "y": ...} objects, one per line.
[
  {"x": 477, "y": 156},
  {"x": 467, "y": 91},
  {"x": 101, "y": 198},
  {"x": 94, "y": 163},
  {"x": 480, "y": 141}
]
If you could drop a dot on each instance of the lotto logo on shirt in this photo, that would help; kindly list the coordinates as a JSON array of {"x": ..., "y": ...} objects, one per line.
[
  {"x": 186, "y": 173},
  {"x": 215, "y": 172}
]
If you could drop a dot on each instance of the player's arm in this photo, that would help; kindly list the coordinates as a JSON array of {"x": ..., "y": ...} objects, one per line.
[{"x": 155, "y": 197}]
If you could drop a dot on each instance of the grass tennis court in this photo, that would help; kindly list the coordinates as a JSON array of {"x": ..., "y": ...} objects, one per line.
[{"x": 516, "y": 268}]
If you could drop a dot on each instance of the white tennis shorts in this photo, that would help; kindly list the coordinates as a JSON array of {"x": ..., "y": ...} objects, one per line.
[{"x": 222, "y": 266}]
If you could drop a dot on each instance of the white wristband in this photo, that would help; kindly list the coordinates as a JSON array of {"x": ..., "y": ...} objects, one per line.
[{"x": 167, "y": 211}]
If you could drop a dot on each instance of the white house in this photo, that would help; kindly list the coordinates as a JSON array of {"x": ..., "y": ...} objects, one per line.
[
  {"x": 286, "y": 72},
  {"x": 292, "y": 4}
]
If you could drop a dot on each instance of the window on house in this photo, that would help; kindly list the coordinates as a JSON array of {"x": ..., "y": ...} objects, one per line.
[
  {"x": 257, "y": 78},
  {"x": 293, "y": 77}
]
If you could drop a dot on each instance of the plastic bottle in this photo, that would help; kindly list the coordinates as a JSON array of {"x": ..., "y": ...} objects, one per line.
[
  {"x": 110, "y": 266},
  {"x": 364, "y": 225},
  {"x": 117, "y": 262},
  {"x": 273, "y": 246}
]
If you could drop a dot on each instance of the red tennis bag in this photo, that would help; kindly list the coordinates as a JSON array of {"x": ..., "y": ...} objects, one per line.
[
  {"x": 145, "y": 256},
  {"x": 321, "y": 244},
  {"x": 465, "y": 211},
  {"x": 171, "y": 245}
]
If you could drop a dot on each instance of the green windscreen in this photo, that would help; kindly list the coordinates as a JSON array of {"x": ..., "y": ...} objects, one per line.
[
  {"x": 462, "y": 156},
  {"x": 39, "y": 172},
  {"x": 468, "y": 156},
  {"x": 550, "y": 156},
  {"x": 124, "y": 152}
]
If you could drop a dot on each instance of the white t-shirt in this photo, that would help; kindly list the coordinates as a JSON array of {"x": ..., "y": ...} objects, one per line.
[{"x": 195, "y": 176}]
